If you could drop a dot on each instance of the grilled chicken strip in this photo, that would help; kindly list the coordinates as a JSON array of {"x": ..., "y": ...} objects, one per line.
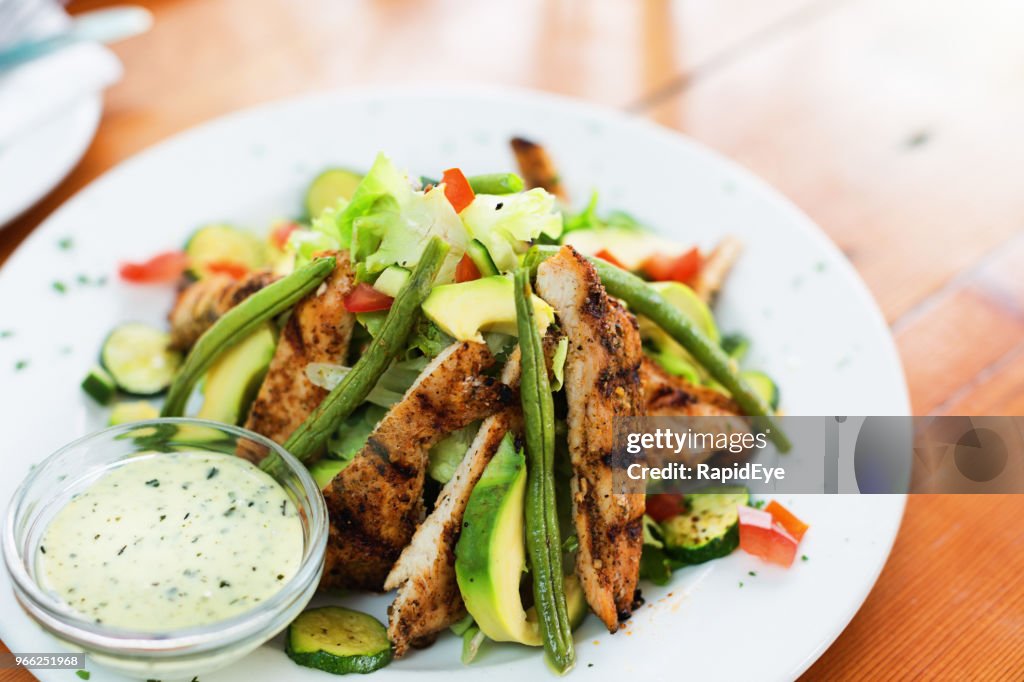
[
  {"x": 318, "y": 330},
  {"x": 376, "y": 501},
  {"x": 428, "y": 598},
  {"x": 200, "y": 304},
  {"x": 601, "y": 382},
  {"x": 670, "y": 396},
  {"x": 536, "y": 166}
]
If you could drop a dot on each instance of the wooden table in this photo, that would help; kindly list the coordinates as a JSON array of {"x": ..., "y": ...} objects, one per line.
[{"x": 895, "y": 125}]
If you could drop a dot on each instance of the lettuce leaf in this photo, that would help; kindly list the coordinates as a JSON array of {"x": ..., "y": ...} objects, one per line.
[{"x": 507, "y": 224}]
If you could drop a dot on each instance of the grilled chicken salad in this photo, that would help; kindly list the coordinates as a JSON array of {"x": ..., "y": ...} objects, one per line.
[{"x": 447, "y": 356}]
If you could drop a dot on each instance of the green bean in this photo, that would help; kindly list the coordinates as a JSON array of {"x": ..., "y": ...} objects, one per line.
[
  {"x": 543, "y": 540},
  {"x": 238, "y": 323},
  {"x": 350, "y": 393},
  {"x": 644, "y": 300},
  {"x": 496, "y": 183}
]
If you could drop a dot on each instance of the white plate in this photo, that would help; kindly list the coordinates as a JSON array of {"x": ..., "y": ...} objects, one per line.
[
  {"x": 815, "y": 329},
  {"x": 37, "y": 161}
]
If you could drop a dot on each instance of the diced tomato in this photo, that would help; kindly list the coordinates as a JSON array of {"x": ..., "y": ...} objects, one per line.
[
  {"x": 227, "y": 267},
  {"x": 606, "y": 255},
  {"x": 365, "y": 299},
  {"x": 761, "y": 536},
  {"x": 466, "y": 270},
  {"x": 165, "y": 267},
  {"x": 787, "y": 520},
  {"x": 661, "y": 506},
  {"x": 682, "y": 268},
  {"x": 457, "y": 189},
  {"x": 280, "y": 234}
]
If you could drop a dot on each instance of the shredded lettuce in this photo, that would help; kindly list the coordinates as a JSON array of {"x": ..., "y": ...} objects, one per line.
[
  {"x": 387, "y": 222},
  {"x": 352, "y": 434},
  {"x": 449, "y": 451},
  {"x": 405, "y": 225},
  {"x": 507, "y": 224}
]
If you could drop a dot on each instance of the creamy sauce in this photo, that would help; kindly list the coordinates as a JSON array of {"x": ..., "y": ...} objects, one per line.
[{"x": 172, "y": 540}]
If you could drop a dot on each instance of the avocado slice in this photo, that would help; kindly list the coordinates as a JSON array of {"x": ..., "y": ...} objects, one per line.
[
  {"x": 233, "y": 380},
  {"x": 490, "y": 555},
  {"x": 487, "y": 304}
]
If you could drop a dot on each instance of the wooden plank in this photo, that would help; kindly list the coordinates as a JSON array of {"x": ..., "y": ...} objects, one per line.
[
  {"x": 894, "y": 125},
  {"x": 959, "y": 347}
]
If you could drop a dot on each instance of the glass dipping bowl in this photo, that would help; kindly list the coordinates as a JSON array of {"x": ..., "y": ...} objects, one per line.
[{"x": 172, "y": 654}]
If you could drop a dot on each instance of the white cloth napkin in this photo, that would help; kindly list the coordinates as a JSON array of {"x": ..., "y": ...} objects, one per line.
[{"x": 34, "y": 91}]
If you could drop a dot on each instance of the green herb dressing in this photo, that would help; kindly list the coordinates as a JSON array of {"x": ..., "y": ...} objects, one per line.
[{"x": 172, "y": 540}]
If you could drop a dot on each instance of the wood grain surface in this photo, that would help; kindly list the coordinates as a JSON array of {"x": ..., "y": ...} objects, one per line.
[{"x": 894, "y": 124}]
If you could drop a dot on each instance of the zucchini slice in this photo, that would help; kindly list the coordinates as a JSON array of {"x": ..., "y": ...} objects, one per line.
[
  {"x": 339, "y": 641},
  {"x": 99, "y": 385},
  {"x": 326, "y": 188},
  {"x": 477, "y": 253},
  {"x": 765, "y": 387},
  {"x": 139, "y": 358},
  {"x": 709, "y": 529},
  {"x": 225, "y": 245}
]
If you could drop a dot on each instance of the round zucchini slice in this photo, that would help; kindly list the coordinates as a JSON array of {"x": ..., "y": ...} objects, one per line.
[
  {"x": 709, "y": 529},
  {"x": 139, "y": 358},
  {"x": 763, "y": 384},
  {"x": 223, "y": 247},
  {"x": 339, "y": 641},
  {"x": 326, "y": 188}
]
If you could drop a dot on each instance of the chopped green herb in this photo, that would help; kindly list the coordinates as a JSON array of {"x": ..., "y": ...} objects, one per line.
[
  {"x": 741, "y": 583},
  {"x": 82, "y": 279},
  {"x": 153, "y": 483},
  {"x": 212, "y": 472},
  {"x": 803, "y": 557},
  {"x": 65, "y": 244},
  {"x": 82, "y": 674},
  {"x": 60, "y": 287},
  {"x": 757, "y": 504},
  {"x": 6, "y": 334},
  {"x": 751, "y": 574},
  {"x": 20, "y": 365}
]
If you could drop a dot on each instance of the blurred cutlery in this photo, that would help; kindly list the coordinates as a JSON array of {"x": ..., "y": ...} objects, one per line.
[{"x": 100, "y": 26}]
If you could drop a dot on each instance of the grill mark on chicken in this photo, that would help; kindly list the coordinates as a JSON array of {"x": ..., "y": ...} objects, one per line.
[
  {"x": 376, "y": 502},
  {"x": 201, "y": 303},
  {"x": 602, "y": 382},
  {"x": 428, "y": 598},
  {"x": 318, "y": 330}
]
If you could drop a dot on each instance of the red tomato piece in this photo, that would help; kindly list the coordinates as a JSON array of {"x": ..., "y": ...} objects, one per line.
[
  {"x": 682, "y": 268},
  {"x": 787, "y": 520},
  {"x": 227, "y": 267},
  {"x": 280, "y": 234},
  {"x": 762, "y": 537},
  {"x": 457, "y": 189},
  {"x": 365, "y": 299},
  {"x": 164, "y": 267},
  {"x": 662, "y": 506},
  {"x": 466, "y": 270},
  {"x": 606, "y": 255}
]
